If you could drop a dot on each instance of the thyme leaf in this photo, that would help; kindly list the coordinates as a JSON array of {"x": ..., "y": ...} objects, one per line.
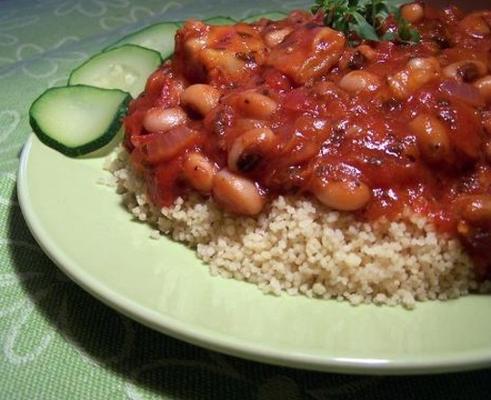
[{"x": 366, "y": 18}]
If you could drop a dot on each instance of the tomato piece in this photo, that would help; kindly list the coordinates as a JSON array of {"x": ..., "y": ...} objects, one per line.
[
  {"x": 165, "y": 146},
  {"x": 298, "y": 100},
  {"x": 276, "y": 80},
  {"x": 133, "y": 123},
  {"x": 164, "y": 184}
]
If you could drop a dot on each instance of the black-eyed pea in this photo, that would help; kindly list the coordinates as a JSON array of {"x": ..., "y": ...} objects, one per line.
[
  {"x": 159, "y": 119},
  {"x": 348, "y": 195},
  {"x": 201, "y": 98},
  {"x": 255, "y": 105},
  {"x": 199, "y": 171},
  {"x": 237, "y": 194},
  {"x": 429, "y": 64},
  {"x": 418, "y": 72},
  {"x": 357, "y": 81},
  {"x": 413, "y": 12},
  {"x": 358, "y": 58},
  {"x": 465, "y": 71},
  {"x": 249, "y": 148},
  {"x": 484, "y": 86},
  {"x": 432, "y": 137},
  {"x": 477, "y": 208},
  {"x": 368, "y": 52},
  {"x": 327, "y": 35}
]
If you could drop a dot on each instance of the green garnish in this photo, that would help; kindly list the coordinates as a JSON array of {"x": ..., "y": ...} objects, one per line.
[{"x": 365, "y": 18}]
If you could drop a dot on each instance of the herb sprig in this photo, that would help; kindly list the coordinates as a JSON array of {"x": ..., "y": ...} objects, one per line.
[{"x": 365, "y": 18}]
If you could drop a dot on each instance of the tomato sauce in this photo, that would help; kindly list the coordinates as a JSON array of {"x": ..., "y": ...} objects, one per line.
[{"x": 398, "y": 126}]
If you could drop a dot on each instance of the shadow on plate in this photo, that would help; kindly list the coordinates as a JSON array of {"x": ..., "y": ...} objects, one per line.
[
  {"x": 152, "y": 364},
  {"x": 105, "y": 150}
]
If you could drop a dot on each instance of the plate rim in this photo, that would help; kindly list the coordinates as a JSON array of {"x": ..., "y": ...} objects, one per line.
[{"x": 209, "y": 339}]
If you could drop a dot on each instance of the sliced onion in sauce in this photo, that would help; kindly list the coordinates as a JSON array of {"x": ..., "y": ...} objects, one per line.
[{"x": 463, "y": 91}]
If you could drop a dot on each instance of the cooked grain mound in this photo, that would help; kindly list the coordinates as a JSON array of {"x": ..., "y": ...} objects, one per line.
[{"x": 299, "y": 247}]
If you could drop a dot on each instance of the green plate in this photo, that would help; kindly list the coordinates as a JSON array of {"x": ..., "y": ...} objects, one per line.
[{"x": 85, "y": 230}]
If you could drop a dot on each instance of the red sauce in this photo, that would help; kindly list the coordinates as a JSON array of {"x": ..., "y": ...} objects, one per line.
[{"x": 413, "y": 130}]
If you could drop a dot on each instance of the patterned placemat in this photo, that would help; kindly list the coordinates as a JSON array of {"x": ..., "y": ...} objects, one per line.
[{"x": 56, "y": 341}]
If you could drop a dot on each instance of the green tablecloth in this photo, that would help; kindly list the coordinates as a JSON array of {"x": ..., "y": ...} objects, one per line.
[{"x": 56, "y": 341}]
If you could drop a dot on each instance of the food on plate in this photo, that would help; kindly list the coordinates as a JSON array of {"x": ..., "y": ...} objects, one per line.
[
  {"x": 340, "y": 153},
  {"x": 330, "y": 162}
]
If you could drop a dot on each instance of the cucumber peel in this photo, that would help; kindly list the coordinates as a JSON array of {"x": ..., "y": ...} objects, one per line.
[
  {"x": 158, "y": 37},
  {"x": 219, "y": 20},
  {"x": 273, "y": 16}
]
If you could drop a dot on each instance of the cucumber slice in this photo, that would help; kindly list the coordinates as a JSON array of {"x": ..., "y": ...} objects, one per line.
[
  {"x": 77, "y": 120},
  {"x": 126, "y": 68},
  {"x": 158, "y": 37},
  {"x": 219, "y": 21},
  {"x": 273, "y": 16}
]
